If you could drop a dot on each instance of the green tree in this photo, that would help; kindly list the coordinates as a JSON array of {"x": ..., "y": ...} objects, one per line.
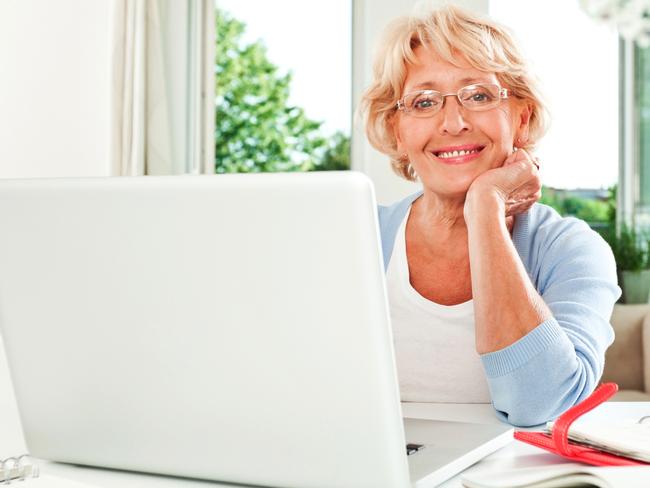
[
  {"x": 550, "y": 198},
  {"x": 256, "y": 128},
  {"x": 337, "y": 154},
  {"x": 583, "y": 208}
]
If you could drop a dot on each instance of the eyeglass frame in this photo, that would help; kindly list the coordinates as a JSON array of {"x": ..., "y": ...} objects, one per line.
[{"x": 503, "y": 95}]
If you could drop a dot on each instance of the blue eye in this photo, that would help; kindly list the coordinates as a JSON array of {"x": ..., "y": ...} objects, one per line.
[
  {"x": 424, "y": 103},
  {"x": 478, "y": 96}
]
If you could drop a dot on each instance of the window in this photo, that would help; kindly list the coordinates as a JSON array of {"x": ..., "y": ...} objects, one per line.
[
  {"x": 634, "y": 198},
  {"x": 283, "y": 78},
  {"x": 577, "y": 64},
  {"x": 580, "y": 152},
  {"x": 642, "y": 119}
]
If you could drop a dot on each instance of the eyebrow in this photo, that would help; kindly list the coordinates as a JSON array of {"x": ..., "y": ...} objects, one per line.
[{"x": 464, "y": 82}]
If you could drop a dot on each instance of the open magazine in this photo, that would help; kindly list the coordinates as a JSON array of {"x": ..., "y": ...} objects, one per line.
[{"x": 560, "y": 476}]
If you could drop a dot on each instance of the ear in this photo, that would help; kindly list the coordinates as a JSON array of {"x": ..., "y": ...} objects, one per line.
[{"x": 522, "y": 123}]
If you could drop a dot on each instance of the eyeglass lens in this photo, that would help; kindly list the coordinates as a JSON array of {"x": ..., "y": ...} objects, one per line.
[{"x": 473, "y": 97}]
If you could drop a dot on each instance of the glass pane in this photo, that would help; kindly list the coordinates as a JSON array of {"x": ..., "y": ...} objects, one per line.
[
  {"x": 283, "y": 85},
  {"x": 580, "y": 81},
  {"x": 642, "y": 110},
  {"x": 580, "y": 152}
]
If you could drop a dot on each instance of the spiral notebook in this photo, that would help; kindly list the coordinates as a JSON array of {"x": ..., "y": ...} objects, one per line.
[
  {"x": 628, "y": 438},
  {"x": 17, "y": 468},
  {"x": 23, "y": 471},
  {"x": 613, "y": 443},
  {"x": 620, "y": 449}
]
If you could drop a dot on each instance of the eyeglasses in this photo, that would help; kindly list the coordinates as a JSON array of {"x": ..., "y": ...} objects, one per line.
[{"x": 427, "y": 103}]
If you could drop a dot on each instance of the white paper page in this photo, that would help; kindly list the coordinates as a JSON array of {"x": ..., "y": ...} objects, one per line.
[
  {"x": 625, "y": 437},
  {"x": 558, "y": 476}
]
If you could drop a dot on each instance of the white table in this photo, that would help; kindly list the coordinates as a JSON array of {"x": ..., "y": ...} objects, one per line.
[{"x": 514, "y": 455}]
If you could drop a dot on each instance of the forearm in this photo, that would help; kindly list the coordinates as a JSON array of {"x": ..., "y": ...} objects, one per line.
[
  {"x": 506, "y": 304},
  {"x": 540, "y": 355}
]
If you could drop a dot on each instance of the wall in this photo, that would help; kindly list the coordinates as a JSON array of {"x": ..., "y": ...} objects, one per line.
[
  {"x": 54, "y": 93},
  {"x": 54, "y": 89}
]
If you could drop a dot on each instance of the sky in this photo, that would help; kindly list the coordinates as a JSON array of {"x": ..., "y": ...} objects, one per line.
[
  {"x": 575, "y": 59},
  {"x": 318, "y": 53}
]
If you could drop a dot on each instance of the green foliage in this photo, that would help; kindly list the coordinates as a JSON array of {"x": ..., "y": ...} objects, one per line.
[
  {"x": 611, "y": 204},
  {"x": 582, "y": 208},
  {"x": 631, "y": 249},
  {"x": 337, "y": 154},
  {"x": 587, "y": 210},
  {"x": 552, "y": 199},
  {"x": 256, "y": 129}
]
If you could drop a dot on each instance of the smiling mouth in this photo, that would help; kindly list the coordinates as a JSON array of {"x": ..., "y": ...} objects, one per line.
[{"x": 457, "y": 154}]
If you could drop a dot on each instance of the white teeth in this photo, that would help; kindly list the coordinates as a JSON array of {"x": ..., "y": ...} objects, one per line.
[{"x": 455, "y": 154}]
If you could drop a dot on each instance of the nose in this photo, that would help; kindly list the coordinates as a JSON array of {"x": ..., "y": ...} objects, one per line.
[{"x": 451, "y": 118}]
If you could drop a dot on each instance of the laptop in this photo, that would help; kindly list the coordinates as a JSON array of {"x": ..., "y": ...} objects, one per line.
[{"x": 227, "y": 327}]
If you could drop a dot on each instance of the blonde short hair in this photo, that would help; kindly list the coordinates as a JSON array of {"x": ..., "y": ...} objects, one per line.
[{"x": 449, "y": 30}]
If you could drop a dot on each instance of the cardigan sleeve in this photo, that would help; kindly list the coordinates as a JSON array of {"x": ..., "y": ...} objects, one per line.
[{"x": 560, "y": 362}]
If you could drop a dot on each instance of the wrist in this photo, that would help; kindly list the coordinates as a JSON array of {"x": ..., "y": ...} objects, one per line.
[{"x": 481, "y": 205}]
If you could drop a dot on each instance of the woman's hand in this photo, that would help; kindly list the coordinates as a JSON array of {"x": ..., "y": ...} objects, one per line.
[{"x": 516, "y": 185}]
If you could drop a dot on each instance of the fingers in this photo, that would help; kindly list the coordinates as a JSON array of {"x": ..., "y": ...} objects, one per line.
[
  {"x": 522, "y": 199},
  {"x": 511, "y": 158},
  {"x": 520, "y": 207},
  {"x": 524, "y": 157},
  {"x": 532, "y": 159},
  {"x": 527, "y": 193},
  {"x": 529, "y": 174},
  {"x": 518, "y": 182}
]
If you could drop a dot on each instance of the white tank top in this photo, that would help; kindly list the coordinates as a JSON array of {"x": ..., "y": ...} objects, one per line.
[{"x": 434, "y": 344}]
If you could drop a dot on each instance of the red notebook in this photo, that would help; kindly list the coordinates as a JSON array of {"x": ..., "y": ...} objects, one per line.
[{"x": 559, "y": 443}]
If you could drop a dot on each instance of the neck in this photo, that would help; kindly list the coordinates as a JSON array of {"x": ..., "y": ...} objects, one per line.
[{"x": 439, "y": 219}]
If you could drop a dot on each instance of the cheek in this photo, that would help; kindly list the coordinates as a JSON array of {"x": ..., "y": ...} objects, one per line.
[
  {"x": 501, "y": 127},
  {"x": 412, "y": 136}
]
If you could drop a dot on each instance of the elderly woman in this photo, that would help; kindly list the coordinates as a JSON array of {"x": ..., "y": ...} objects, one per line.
[{"x": 493, "y": 296}]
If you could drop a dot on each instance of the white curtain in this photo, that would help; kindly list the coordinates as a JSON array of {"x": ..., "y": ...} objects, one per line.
[{"x": 162, "y": 87}]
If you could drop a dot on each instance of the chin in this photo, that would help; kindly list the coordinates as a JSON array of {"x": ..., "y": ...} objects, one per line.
[
  {"x": 448, "y": 191},
  {"x": 450, "y": 183}
]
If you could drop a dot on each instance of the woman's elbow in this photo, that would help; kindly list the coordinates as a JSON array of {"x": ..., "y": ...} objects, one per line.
[{"x": 536, "y": 405}]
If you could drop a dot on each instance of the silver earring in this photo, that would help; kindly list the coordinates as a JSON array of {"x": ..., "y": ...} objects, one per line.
[{"x": 404, "y": 158}]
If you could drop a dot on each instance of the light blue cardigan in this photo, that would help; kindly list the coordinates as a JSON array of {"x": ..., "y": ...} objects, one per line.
[{"x": 560, "y": 362}]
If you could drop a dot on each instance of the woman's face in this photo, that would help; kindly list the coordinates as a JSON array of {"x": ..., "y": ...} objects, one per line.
[{"x": 425, "y": 140}]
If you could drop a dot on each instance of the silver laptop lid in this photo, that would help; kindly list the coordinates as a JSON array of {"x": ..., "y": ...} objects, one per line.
[{"x": 230, "y": 327}]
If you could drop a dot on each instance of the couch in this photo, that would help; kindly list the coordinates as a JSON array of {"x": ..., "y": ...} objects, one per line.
[{"x": 627, "y": 361}]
